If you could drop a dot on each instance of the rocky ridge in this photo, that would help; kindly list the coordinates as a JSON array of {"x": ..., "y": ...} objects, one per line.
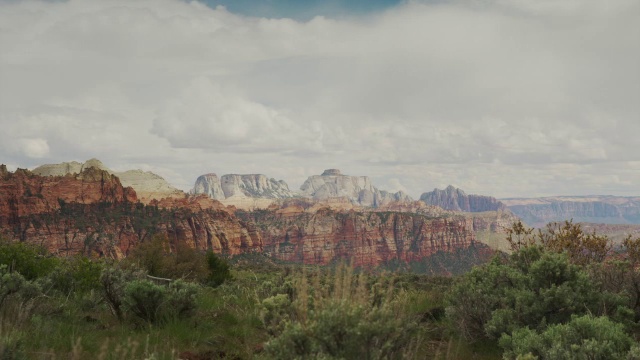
[
  {"x": 249, "y": 191},
  {"x": 91, "y": 213},
  {"x": 456, "y": 199},
  {"x": 147, "y": 185},
  {"x": 592, "y": 209},
  {"x": 358, "y": 190}
]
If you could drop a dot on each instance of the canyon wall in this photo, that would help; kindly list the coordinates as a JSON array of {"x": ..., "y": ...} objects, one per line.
[
  {"x": 455, "y": 199},
  {"x": 91, "y": 213}
]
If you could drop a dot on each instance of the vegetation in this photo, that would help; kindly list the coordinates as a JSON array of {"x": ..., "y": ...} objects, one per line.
[{"x": 561, "y": 294}]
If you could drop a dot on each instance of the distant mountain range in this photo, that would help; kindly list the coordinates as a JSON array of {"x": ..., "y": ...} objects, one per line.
[
  {"x": 252, "y": 191},
  {"x": 591, "y": 209},
  {"x": 87, "y": 208}
]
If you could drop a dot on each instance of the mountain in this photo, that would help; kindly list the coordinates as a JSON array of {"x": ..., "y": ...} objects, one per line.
[
  {"x": 249, "y": 191},
  {"x": 357, "y": 189},
  {"x": 594, "y": 209},
  {"x": 91, "y": 213},
  {"x": 148, "y": 186},
  {"x": 455, "y": 199}
]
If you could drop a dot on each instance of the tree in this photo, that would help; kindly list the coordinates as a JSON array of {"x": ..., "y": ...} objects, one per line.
[{"x": 534, "y": 288}]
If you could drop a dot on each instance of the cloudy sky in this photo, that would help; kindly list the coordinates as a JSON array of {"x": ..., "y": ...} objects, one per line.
[{"x": 499, "y": 97}]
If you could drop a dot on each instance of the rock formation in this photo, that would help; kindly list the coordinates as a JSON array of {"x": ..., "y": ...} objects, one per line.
[
  {"x": 596, "y": 209},
  {"x": 357, "y": 189},
  {"x": 455, "y": 199},
  {"x": 148, "y": 186},
  {"x": 92, "y": 213},
  {"x": 364, "y": 238},
  {"x": 250, "y": 191}
]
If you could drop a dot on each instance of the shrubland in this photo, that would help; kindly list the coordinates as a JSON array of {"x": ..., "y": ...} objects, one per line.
[{"x": 560, "y": 294}]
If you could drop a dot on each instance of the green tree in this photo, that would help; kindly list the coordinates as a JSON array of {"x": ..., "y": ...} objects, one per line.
[
  {"x": 583, "y": 337},
  {"x": 219, "y": 270},
  {"x": 30, "y": 261},
  {"x": 534, "y": 288}
]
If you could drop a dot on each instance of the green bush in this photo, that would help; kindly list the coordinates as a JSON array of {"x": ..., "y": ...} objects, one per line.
[
  {"x": 144, "y": 298},
  {"x": 181, "y": 299},
  {"x": 219, "y": 271},
  {"x": 30, "y": 261},
  {"x": 533, "y": 288},
  {"x": 10, "y": 283},
  {"x": 340, "y": 316},
  {"x": 584, "y": 337},
  {"x": 113, "y": 280},
  {"x": 155, "y": 303},
  {"x": 76, "y": 275}
]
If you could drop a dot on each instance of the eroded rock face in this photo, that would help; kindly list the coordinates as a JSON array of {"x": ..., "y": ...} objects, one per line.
[
  {"x": 209, "y": 184},
  {"x": 596, "y": 209},
  {"x": 254, "y": 185},
  {"x": 91, "y": 213},
  {"x": 148, "y": 186},
  {"x": 358, "y": 189},
  {"x": 364, "y": 238},
  {"x": 455, "y": 199}
]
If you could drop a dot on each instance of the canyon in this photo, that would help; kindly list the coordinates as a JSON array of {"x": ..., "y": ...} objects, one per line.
[{"x": 89, "y": 211}]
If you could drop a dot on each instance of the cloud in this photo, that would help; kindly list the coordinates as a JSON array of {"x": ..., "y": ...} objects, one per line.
[{"x": 505, "y": 98}]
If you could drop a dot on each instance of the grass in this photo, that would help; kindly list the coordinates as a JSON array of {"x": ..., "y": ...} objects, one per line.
[{"x": 229, "y": 319}]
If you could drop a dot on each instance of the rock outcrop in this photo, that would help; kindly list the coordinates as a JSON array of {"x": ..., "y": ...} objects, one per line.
[
  {"x": 364, "y": 238},
  {"x": 357, "y": 189},
  {"x": 595, "y": 209},
  {"x": 148, "y": 186},
  {"x": 455, "y": 199},
  {"x": 91, "y": 213},
  {"x": 249, "y": 191}
]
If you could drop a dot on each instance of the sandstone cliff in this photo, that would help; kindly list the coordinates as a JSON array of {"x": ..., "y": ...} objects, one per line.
[
  {"x": 455, "y": 199},
  {"x": 364, "y": 238},
  {"x": 148, "y": 186},
  {"x": 93, "y": 214},
  {"x": 596, "y": 209},
  {"x": 358, "y": 189}
]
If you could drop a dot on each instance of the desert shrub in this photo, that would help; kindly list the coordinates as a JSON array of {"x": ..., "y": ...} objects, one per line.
[
  {"x": 219, "y": 271},
  {"x": 581, "y": 247},
  {"x": 10, "y": 283},
  {"x": 339, "y": 315},
  {"x": 76, "y": 275},
  {"x": 187, "y": 263},
  {"x": 181, "y": 299},
  {"x": 152, "y": 256},
  {"x": 184, "y": 263},
  {"x": 30, "y": 261},
  {"x": 155, "y": 303},
  {"x": 583, "y": 337},
  {"x": 144, "y": 298},
  {"x": 534, "y": 288},
  {"x": 275, "y": 313},
  {"x": 113, "y": 280}
]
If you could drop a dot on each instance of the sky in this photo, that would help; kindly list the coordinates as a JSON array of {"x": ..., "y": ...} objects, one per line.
[{"x": 509, "y": 98}]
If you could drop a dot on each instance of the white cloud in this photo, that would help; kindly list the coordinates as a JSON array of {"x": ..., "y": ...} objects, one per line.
[
  {"x": 498, "y": 97},
  {"x": 34, "y": 148}
]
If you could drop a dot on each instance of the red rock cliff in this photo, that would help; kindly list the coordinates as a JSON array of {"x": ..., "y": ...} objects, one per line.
[
  {"x": 367, "y": 238},
  {"x": 92, "y": 213}
]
